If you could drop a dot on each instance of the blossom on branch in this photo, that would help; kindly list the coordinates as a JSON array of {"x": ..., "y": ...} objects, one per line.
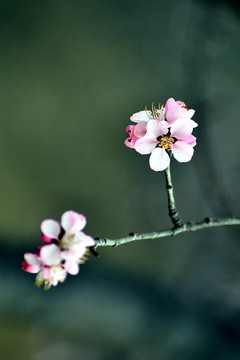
[
  {"x": 167, "y": 131},
  {"x": 177, "y": 109},
  {"x": 136, "y": 132},
  {"x": 65, "y": 247}
]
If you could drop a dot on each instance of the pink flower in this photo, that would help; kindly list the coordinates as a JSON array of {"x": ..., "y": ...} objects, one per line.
[
  {"x": 177, "y": 109},
  {"x": 136, "y": 132},
  {"x": 162, "y": 132},
  {"x": 50, "y": 275},
  {"x": 65, "y": 248},
  {"x": 68, "y": 232},
  {"x": 47, "y": 263},
  {"x": 162, "y": 138},
  {"x": 31, "y": 263}
]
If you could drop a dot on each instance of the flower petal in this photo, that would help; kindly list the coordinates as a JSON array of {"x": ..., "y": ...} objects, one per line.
[
  {"x": 157, "y": 128},
  {"x": 140, "y": 130},
  {"x": 74, "y": 253},
  {"x": 188, "y": 112},
  {"x": 141, "y": 116},
  {"x": 190, "y": 140},
  {"x": 83, "y": 239},
  {"x": 159, "y": 159},
  {"x": 177, "y": 109},
  {"x": 182, "y": 128},
  {"x": 182, "y": 151},
  {"x": 50, "y": 229},
  {"x": 71, "y": 267},
  {"x": 50, "y": 255},
  {"x": 57, "y": 273},
  {"x": 146, "y": 144},
  {"x": 31, "y": 259},
  {"x": 31, "y": 263},
  {"x": 131, "y": 139},
  {"x": 73, "y": 221},
  {"x": 44, "y": 274}
]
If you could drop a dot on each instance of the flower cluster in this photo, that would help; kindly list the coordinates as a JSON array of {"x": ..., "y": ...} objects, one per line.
[
  {"x": 65, "y": 247},
  {"x": 162, "y": 132}
]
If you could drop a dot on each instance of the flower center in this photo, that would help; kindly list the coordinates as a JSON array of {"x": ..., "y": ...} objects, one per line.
[
  {"x": 57, "y": 273},
  {"x": 67, "y": 241},
  {"x": 165, "y": 142},
  {"x": 157, "y": 113},
  {"x": 184, "y": 106}
]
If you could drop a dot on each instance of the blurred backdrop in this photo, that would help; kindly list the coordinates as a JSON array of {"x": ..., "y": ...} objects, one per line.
[{"x": 72, "y": 73}]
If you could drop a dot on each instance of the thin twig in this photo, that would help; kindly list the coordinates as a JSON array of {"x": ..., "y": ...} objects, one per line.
[
  {"x": 185, "y": 227},
  {"x": 172, "y": 210}
]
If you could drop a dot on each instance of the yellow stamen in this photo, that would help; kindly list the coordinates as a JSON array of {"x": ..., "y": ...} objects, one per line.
[{"x": 166, "y": 142}]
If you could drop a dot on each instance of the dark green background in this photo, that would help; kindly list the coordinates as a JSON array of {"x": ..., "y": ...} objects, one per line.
[{"x": 72, "y": 73}]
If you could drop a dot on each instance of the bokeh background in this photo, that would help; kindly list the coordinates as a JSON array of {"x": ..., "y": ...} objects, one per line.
[{"x": 72, "y": 73}]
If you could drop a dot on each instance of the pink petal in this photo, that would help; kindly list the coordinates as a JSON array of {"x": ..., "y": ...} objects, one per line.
[
  {"x": 157, "y": 128},
  {"x": 142, "y": 116},
  {"x": 187, "y": 112},
  {"x": 131, "y": 137},
  {"x": 171, "y": 110},
  {"x": 190, "y": 140},
  {"x": 31, "y": 263},
  {"x": 146, "y": 144},
  {"x": 71, "y": 267},
  {"x": 73, "y": 221},
  {"x": 159, "y": 159},
  {"x": 182, "y": 151},
  {"x": 50, "y": 229},
  {"x": 45, "y": 239},
  {"x": 177, "y": 109},
  {"x": 45, "y": 273},
  {"x": 182, "y": 128},
  {"x": 129, "y": 143},
  {"x": 50, "y": 255},
  {"x": 140, "y": 130}
]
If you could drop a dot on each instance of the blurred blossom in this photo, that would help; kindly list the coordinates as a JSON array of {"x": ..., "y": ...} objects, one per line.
[{"x": 65, "y": 247}]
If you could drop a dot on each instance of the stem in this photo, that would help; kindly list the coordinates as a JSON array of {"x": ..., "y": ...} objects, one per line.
[
  {"x": 180, "y": 226},
  {"x": 186, "y": 227},
  {"x": 172, "y": 210}
]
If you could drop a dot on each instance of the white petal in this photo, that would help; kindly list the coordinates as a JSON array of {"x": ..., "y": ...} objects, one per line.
[
  {"x": 50, "y": 255},
  {"x": 159, "y": 159},
  {"x": 31, "y": 259},
  {"x": 57, "y": 273},
  {"x": 71, "y": 267},
  {"x": 157, "y": 128},
  {"x": 141, "y": 116},
  {"x": 83, "y": 239},
  {"x": 50, "y": 228},
  {"x": 146, "y": 144},
  {"x": 73, "y": 221},
  {"x": 182, "y": 151},
  {"x": 74, "y": 253},
  {"x": 182, "y": 128}
]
